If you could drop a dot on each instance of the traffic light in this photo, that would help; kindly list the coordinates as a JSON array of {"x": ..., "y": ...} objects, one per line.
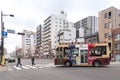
[{"x": 20, "y": 33}]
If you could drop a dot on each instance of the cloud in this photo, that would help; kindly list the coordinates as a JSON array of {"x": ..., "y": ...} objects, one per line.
[{"x": 115, "y": 3}]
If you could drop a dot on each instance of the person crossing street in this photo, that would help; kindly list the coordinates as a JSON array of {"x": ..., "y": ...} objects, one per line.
[
  {"x": 33, "y": 59},
  {"x": 19, "y": 61}
]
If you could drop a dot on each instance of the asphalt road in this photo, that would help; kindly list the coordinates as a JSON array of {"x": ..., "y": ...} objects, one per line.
[{"x": 111, "y": 72}]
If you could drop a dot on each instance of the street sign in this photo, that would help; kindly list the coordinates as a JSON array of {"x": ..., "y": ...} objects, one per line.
[
  {"x": 4, "y": 34},
  {"x": 10, "y": 31},
  {"x": 19, "y": 33}
]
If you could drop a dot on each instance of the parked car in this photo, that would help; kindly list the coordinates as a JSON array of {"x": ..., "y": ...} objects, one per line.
[
  {"x": 11, "y": 59},
  {"x": 6, "y": 57}
]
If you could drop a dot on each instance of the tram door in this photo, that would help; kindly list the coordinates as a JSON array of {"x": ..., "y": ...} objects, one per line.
[{"x": 84, "y": 56}]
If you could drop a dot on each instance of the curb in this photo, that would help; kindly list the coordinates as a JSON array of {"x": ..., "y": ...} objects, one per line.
[{"x": 115, "y": 62}]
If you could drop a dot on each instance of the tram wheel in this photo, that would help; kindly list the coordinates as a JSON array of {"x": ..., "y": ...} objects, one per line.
[
  {"x": 68, "y": 64},
  {"x": 96, "y": 64}
]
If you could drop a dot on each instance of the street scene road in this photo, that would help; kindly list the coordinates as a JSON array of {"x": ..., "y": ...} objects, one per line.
[
  {"x": 45, "y": 69},
  {"x": 59, "y": 40}
]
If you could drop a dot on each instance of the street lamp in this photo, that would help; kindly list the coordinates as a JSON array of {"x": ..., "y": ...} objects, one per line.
[{"x": 2, "y": 37}]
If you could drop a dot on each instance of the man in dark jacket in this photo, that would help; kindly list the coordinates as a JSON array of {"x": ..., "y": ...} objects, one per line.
[
  {"x": 33, "y": 59},
  {"x": 19, "y": 62}
]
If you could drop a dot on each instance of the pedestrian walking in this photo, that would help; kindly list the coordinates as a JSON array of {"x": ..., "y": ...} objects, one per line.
[
  {"x": 33, "y": 59},
  {"x": 19, "y": 62}
]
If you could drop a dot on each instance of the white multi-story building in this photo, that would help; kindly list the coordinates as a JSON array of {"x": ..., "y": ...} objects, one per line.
[
  {"x": 68, "y": 35},
  {"x": 52, "y": 25},
  {"x": 81, "y": 35},
  {"x": 28, "y": 43}
]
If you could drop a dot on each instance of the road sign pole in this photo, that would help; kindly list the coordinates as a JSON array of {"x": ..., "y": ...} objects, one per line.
[{"x": 2, "y": 39}]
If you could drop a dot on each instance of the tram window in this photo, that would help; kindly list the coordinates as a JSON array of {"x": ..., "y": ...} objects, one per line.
[
  {"x": 98, "y": 51},
  {"x": 66, "y": 52},
  {"x": 60, "y": 48},
  {"x": 92, "y": 52},
  {"x": 57, "y": 49},
  {"x": 103, "y": 50},
  {"x": 75, "y": 52},
  {"x": 95, "y": 51}
]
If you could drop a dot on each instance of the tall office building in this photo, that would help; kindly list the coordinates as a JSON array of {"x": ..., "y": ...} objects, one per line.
[
  {"x": 28, "y": 43},
  {"x": 38, "y": 40},
  {"x": 89, "y": 24},
  {"x": 39, "y": 36}
]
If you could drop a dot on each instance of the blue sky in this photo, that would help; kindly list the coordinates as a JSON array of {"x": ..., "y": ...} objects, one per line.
[{"x": 30, "y": 13}]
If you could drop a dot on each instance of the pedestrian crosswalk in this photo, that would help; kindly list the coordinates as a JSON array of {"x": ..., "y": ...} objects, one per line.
[{"x": 28, "y": 67}]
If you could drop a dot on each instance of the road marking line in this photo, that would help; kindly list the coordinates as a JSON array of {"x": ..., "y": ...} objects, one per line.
[
  {"x": 17, "y": 68},
  {"x": 51, "y": 65},
  {"x": 41, "y": 67},
  {"x": 46, "y": 65},
  {"x": 10, "y": 69},
  {"x": 30, "y": 66},
  {"x": 25, "y": 67}
]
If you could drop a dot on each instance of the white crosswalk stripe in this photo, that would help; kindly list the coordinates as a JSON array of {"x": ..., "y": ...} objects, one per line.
[
  {"x": 10, "y": 69},
  {"x": 41, "y": 67},
  {"x": 18, "y": 68},
  {"x": 27, "y": 67},
  {"x": 30, "y": 66}
]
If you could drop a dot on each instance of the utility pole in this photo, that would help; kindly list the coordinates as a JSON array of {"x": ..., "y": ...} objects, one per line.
[
  {"x": 2, "y": 39},
  {"x": 2, "y": 61}
]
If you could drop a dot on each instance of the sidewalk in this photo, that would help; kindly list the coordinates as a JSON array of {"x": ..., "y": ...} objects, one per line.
[
  {"x": 116, "y": 62},
  {"x": 3, "y": 68}
]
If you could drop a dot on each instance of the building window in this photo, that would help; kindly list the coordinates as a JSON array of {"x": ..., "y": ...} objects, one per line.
[
  {"x": 119, "y": 25},
  {"x": 28, "y": 35},
  {"x": 119, "y": 15},
  {"x": 63, "y": 21},
  {"x": 69, "y": 34},
  {"x": 117, "y": 37},
  {"x": 105, "y": 25},
  {"x": 117, "y": 46},
  {"x": 109, "y": 25},
  {"x": 60, "y": 22},
  {"x": 109, "y": 15},
  {"x": 105, "y": 15},
  {"x": 105, "y": 36},
  {"x": 110, "y": 34}
]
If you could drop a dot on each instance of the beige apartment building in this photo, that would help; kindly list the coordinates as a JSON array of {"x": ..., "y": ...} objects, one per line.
[{"x": 108, "y": 20}]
